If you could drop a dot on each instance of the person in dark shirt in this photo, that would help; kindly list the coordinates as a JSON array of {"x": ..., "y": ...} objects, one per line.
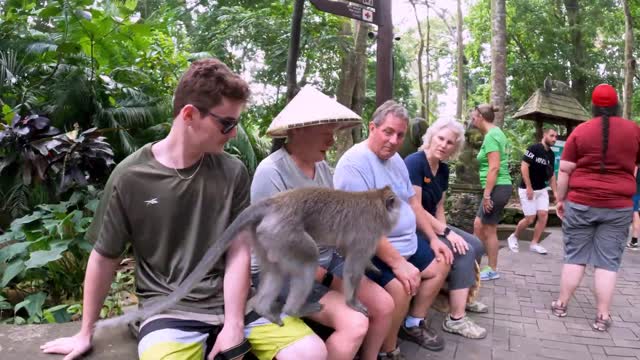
[
  {"x": 429, "y": 174},
  {"x": 537, "y": 169}
]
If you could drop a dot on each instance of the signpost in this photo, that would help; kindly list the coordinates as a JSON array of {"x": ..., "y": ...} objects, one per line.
[{"x": 376, "y": 12}]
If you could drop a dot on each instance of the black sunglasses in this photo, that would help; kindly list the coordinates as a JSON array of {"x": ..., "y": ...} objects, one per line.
[{"x": 227, "y": 123}]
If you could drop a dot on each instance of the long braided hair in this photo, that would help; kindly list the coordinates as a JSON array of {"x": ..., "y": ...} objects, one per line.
[{"x": 605, "y": 112}]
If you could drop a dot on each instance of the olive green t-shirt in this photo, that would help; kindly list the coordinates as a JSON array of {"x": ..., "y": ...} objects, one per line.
[
  {"x": 494, "y": 140},
  {"x": 170, "y": 222}
]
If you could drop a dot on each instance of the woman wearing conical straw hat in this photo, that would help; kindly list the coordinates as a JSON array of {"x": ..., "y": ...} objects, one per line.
[{"x": 309, "y": 123}]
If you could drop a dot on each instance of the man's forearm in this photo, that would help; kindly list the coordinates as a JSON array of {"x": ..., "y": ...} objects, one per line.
[
  {"x": 554, "y": 185},
  {"x": 97, "y": 282},
  {"x": 524, "y": 170},
  {"x": 236, "y": 280}
]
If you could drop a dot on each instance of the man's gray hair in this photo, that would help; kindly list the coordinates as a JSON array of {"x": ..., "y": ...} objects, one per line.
[
  {"x": 445, "y": 123},
  {"x": 389, "y": 107}
]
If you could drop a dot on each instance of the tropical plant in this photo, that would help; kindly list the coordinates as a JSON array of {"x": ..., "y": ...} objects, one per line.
[
  {"x": 21, "y": 145},
  {"x": 47, "y": 250},
  {"x": 80, "y": 159}
]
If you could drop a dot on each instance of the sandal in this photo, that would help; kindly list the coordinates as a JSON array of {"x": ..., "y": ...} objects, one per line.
[
  {"x": 558, "y": 310},
  {"x": 601, "y": 324}
]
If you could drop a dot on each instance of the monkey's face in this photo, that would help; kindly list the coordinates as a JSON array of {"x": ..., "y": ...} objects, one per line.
[
  {"x": 385, "y": 139},
  {"x": 392, "y": 204}
]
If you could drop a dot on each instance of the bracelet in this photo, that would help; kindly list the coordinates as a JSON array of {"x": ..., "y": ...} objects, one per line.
[{"x": 486, "y": 197}]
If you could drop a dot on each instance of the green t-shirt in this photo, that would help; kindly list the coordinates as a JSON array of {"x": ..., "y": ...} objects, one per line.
[
  {"x": 170, "y": 222},
  {"x": 494, "y": 140}
]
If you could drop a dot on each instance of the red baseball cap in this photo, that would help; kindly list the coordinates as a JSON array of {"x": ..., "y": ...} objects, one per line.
[{"x": 604, "y": 95}]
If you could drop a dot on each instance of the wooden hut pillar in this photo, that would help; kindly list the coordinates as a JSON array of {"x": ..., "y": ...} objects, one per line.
[
  {"x": 538, "y": 130},
  {"x": 569, "y": 127}
]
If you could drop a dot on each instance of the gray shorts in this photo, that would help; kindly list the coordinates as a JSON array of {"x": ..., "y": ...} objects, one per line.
[
  {"x": 500, "y": 196},
  {"x": 463, "y": 269},
  {"x": 595, "y": 236}
]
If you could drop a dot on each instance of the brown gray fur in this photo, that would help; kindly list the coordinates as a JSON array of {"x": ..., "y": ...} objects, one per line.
[{"x": 286, "y": 230}]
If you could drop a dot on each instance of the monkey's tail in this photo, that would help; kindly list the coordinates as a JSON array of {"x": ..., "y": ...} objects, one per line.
[{"x": 246, "y": 219}]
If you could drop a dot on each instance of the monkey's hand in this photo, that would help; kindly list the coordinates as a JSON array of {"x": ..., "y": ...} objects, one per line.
[
  {"x": 231, "y": 335},
  {"x": 73, "y": 346}
]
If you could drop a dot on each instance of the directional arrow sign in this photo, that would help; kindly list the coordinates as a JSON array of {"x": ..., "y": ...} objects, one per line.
[{"x": 349, "y": 9}]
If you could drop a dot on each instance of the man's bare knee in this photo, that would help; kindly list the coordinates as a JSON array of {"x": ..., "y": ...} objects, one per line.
[
  {"x": 543, "y": 216},
  {"x": 310, "y": 347},
  {"x": 529, "y": 219}
]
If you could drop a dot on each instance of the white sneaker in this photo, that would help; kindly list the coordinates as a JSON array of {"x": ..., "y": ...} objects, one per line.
[
  {"x": 512, "y": 240},
  {"x": 538, "y": 248}
]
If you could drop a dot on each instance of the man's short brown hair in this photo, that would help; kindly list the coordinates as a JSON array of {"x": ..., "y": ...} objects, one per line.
[{"x": 205, "y": 83}]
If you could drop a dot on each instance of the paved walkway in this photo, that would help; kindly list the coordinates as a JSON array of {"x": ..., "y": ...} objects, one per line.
[
  {"x": 521, "y": 326},
  {"x": 519, "y": 322}
]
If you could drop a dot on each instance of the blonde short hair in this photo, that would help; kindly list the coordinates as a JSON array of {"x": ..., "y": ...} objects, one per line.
[{"x": 445, "y": 123}]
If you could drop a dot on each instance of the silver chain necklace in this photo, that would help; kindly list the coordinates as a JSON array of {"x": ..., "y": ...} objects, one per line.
[{"x": 194, "y": 173}]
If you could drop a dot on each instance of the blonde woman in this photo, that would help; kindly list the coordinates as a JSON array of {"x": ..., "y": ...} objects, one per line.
[{"x": 429, "y": 175}]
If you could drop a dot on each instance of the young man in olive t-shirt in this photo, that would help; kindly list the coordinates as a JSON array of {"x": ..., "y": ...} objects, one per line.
[{"x": 171, "y": 200}]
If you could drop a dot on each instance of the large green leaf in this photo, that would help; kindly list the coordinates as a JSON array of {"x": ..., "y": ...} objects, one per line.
[
  {"x": 17, "y": 224},
  {"x": 13, "y": 270},
  {"x": 33, "y": 304},
  {"x": 57, "y": 314},
  {"x": 13, "y": 250},
  {"x": 43, "y": 257}
]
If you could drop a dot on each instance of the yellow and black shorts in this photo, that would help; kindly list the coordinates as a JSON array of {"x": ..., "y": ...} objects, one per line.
[{"x": 192, "y": 337}]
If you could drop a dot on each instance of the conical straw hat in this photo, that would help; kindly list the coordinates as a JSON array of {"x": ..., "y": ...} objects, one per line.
[{"x": 311, "y": 107}]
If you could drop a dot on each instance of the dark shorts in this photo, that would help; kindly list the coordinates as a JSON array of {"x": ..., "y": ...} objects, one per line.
[
  {"x": 595, "y": 236},
  {"x": 500, "y": 196},
  {"x": 421, "y": 259}
]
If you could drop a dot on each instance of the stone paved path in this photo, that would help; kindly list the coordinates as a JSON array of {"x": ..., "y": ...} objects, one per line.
[{"x": 521, "y": 326}]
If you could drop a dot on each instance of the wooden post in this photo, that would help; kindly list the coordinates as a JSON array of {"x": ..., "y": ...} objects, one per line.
[
  {"x": 384, "y": 56},
  {"x": 538, "y": 129}
]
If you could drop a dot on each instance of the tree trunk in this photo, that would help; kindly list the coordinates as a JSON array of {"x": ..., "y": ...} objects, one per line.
[
  {"x": 498, "y": 58},
  {"x": 629, "y": 62},
  {"x": 427, "y": 94},
  {"x": 351, "y": 87},
  {"x": 294, "y": 48},
  {"x": 423, "y": 109},
  {"x": 460, "y": 97},
  {"x": 577, "y": 60}
]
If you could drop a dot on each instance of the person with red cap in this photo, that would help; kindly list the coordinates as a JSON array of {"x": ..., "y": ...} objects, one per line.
[{"x": 596, "y": 182}]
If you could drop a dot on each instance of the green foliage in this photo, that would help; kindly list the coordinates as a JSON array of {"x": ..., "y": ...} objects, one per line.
[
  {"x": 539, "y": 45},
  {"x": 47, "y": 249}
]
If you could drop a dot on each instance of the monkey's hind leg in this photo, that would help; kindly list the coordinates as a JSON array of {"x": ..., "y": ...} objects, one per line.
[
  {"x": 354, "y": 267},
  {"x": 300, "y": 261},
  {"x": 301, "y": 286},
  {"x": 266, "y": 303}
]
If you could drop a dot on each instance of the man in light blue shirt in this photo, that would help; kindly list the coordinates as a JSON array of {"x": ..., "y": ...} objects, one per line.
[{"x": 404, "y": 257}]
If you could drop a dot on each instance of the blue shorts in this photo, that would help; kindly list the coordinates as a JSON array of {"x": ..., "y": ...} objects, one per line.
[
  {"x": 636, "y": 202},
  {"x": 421, "y": 259}
]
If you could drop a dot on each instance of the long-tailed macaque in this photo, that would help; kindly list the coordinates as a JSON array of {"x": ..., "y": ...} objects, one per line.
[{"x": 285, "y": 231}]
